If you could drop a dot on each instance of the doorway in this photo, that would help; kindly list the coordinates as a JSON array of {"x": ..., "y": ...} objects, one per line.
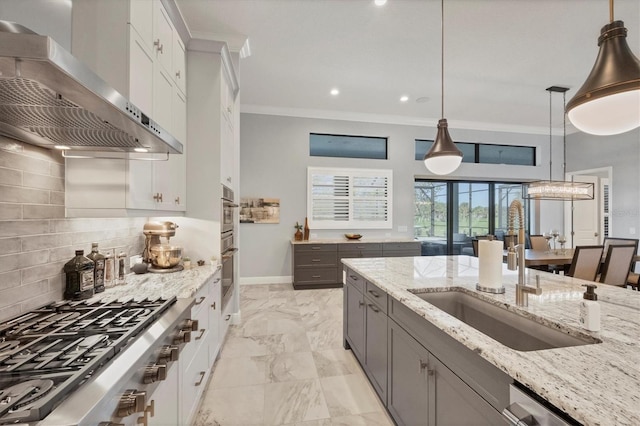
[{"x": 587, "y": 222}]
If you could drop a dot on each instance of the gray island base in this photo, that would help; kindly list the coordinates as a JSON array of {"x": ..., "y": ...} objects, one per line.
[{"x": 430, "y": 368}]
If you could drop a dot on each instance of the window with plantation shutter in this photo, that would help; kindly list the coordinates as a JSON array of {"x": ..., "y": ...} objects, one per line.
[{"x": 349, "y": 198}]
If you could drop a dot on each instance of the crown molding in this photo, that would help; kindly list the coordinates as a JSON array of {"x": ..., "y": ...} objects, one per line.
[{"x": 392, "y": 119}]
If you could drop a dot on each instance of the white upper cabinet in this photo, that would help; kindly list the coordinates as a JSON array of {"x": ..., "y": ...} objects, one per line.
[
  {"x": 131, "y": 45},
  {"x": 179, "y": 65},
  {"x": 163, "y": 34}
]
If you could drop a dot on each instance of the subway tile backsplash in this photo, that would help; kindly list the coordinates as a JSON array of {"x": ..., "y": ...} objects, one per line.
[{"x": 35, "y": 238}]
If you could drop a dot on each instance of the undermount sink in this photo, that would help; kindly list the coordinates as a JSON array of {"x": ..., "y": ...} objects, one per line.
[{"x": 510, "y": 329}]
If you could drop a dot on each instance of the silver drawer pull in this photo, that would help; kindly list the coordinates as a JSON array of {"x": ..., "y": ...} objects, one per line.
[
  {"x": 315, "y": 248},
  {"x": 373, "y": 308},
  {"x": 354, "y": 277},
  {"x": 518, "y": 416},
  {"x": 202, "y": 374},
  {"x": 373, "y": 293},
  {"x": 199, "y": 301},
  {"x": 202, "y": 331},
  {"x": 360, "y": 303},
  {"x": 316, "y": 276},
  {"x": 316, "y": 260}
]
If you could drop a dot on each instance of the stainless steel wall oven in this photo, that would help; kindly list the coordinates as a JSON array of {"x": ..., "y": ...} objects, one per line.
[{"x": 227, "y": 243}]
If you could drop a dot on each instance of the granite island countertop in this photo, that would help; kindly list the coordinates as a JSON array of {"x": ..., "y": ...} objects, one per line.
[
  {"x": 596, "y": 384},
  {"x": 182, "y": 284}
]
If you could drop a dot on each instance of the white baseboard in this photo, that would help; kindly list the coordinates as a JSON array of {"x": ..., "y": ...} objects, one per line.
[{"x": 266, "y": 280}]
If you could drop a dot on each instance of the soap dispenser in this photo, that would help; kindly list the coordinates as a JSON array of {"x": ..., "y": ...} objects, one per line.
[{"x": 590, "y": 309}]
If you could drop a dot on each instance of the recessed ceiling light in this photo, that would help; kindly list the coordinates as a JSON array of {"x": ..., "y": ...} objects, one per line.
[
  {"x": 404, "y": 98},
  {"x": 335, "y": 92},
  {"x": 140, "y": 149},
  {"x": 380, "y": 2},
  {"x": 61, "y": 147}
]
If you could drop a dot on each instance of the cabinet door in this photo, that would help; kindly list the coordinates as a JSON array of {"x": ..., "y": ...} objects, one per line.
[
  {"x": 227, "y": 154},
  {"x": 408, "y": 397},
  {"x": 162, "y": 112},
  {"x": 193, "y": 381},
  {"x": 140, "y": 73},
  {"x": 214, "y": 319},
  {"x": 179, "y": 64},
  {"x": 162, "y": 37},
  {"x": 140, "y": 185},
  {"x": 456, "y": 404},
  {"x": 141, "y": 18},
  {"x": 354, "y": 327},
  {"x": 376, "y": 348},
  {"x": 165, "y": 400}
]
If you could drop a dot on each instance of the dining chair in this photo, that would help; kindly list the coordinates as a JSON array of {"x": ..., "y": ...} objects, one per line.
[
  {"x": 585, "y": 262},
  {"x": 474, "y": 242},
  {"x": 617, "y": 264},
  {"x": 611, "y": 241},
  {"x": 538, "y": 242}
]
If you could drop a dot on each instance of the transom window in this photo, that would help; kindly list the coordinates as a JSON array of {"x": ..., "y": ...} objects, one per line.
[
  {"x": 321, "y": 145},
  {"x": 485, "y": 153}
]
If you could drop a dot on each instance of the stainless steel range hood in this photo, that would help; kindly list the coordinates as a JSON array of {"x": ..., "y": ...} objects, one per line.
[{"x": 49, "y": 98}]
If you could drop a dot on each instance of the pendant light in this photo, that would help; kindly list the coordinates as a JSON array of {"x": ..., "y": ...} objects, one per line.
[
  {"x": 558, "y": 189},
  {"x": 443, "y": 157},
  {"x": 608, "y": 103}
]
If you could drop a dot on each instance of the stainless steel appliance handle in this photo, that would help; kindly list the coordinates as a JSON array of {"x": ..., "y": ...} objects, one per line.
[
  {"x": 518, "y": 416},
  {"x": 230, "y": 204},
  {"x": 229, "y": 254}
]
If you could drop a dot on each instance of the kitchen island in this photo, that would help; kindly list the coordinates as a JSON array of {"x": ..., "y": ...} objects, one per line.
[{"x": 595, "y": 384}]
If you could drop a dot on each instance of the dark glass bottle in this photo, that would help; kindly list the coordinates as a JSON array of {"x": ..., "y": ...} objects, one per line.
[
  {"x": 98, "y": 268},
  {"x": 79, "y": 277}
]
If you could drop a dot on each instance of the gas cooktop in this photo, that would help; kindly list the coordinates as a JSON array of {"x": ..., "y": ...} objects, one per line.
[{"x": 48, "y": 353}]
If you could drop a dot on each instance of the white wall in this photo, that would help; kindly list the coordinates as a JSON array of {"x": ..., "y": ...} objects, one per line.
[
  {"x": 622, "y": 154},
  {"x": 274, "y": 156},
  {"x": 45, "y": 17}
]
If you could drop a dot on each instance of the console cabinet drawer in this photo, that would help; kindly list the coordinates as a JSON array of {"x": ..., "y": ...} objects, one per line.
[
  {"x": 298, "y": 248},
  {"x": 314, "y": 260},
  {"x": 412, "y": 247},
  {"x": 350, "y": 247},
  {"x": 315, "y": 276}
]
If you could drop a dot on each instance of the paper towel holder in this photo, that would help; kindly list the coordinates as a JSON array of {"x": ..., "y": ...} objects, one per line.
[{"x": 494, "y": 290}]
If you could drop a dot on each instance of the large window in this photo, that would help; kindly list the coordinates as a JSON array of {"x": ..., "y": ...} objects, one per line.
[
  {"x": 485, "y": 153},
  {"x": 349, "y": 198},
  {"x": 449, "y": 214}
]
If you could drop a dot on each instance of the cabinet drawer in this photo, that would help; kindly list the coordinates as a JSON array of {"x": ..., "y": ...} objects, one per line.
[
  {"x": 194, "y": 381},
  {"x": 355, "y": 280},
  {"x": 314, "y": 247},
  {"x": 402, "y": 253},
  {"x": 376, "y": 295},
  {"x": 359, "y": 246},
  {"x": 316, "y": 276},
  {"x": 359, "y": 253},
  {"x": 413, "y": 246},
  {"x": 313, "y": 260}
]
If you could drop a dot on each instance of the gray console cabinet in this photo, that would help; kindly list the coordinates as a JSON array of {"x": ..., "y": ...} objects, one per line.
[
  {"x": 318, "y": 264},
  {"x": 430, "y": 378}
]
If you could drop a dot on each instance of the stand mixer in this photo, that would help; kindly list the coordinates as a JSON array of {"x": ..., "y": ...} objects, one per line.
[{"x": 157, "y": 254}]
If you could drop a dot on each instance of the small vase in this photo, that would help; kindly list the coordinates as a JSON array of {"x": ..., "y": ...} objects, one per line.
[
  {"x": 298, "y": 235},
  {"x": 306, "y": 229}
]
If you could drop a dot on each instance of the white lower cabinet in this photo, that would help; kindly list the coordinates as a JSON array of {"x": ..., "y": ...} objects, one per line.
[
  {"x": 198, "y": 356},
  {"x": 164, "y": 401}
]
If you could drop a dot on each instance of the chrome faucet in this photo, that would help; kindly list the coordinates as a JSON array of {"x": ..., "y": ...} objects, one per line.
[{"x": 515, "y": 256}]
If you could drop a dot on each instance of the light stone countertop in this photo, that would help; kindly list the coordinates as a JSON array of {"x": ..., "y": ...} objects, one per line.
[
  {"x": 596, "y": 384},
  {"x": 182, "y": 284},
  {"x": 361, "y": 240}
]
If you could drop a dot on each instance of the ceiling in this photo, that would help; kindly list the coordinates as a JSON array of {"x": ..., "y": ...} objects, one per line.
[{"x": 500, "y": 56}]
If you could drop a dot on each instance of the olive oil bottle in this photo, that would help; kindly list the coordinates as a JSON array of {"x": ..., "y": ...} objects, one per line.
[
  {"x": 79, "y": 277},
  {"x": 98, "y": 268}
]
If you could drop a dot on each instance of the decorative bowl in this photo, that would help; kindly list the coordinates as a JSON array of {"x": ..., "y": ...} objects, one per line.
[{"x": 353, "y": 236}]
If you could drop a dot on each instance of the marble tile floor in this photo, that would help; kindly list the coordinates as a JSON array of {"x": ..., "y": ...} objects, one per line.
[{"x": 285, "y": 365}]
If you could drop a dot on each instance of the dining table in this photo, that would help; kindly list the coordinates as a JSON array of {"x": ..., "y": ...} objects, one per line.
[
  {"x": 550, "y": 257},
  {"x": 545, "y": 257}
]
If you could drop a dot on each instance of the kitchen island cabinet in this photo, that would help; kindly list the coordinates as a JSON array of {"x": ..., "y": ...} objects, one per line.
[
  {"x": 468, "y": 374},
  {"x": 316, "y": 263}
]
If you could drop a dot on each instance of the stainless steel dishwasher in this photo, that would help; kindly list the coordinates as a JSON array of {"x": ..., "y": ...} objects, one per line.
[{"x": 524, "y": 410}]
